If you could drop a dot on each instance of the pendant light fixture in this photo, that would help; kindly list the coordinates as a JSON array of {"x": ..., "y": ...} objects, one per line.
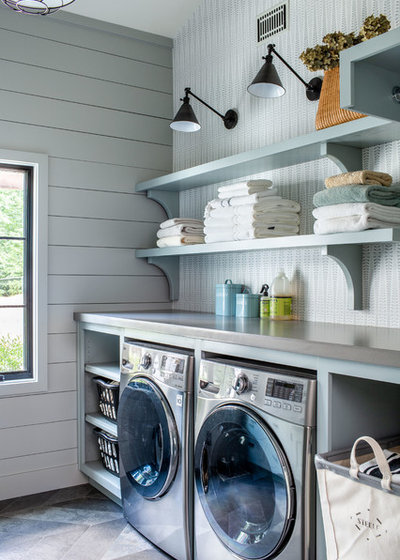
[
  {"x": 37, "y": 7},
  {"x": 185, "y": 120},
  {"x": 268, "y": 84}
]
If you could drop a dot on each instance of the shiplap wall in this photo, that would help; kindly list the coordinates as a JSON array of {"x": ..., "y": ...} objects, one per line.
[
  {"x": 97, "y": 99},
  {"x": 224, "y": 32}
]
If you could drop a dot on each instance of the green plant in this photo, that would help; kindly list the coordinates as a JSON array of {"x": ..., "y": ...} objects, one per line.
[
  {"x": 326, "y": 56},
  {"x": 11, "y": 353}
]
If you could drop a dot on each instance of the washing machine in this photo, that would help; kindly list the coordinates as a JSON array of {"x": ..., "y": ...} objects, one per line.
[
  {"x": 155, "y": 444},
  {"x": 253, "y": 463}
]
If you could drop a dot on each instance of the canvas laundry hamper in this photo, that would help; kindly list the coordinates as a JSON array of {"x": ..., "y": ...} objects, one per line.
[{"x": 361, "y": 513}]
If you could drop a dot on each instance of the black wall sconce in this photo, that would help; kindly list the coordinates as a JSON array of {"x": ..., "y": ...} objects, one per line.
[
  {"x": 185, "y": 120},
  {"x": 268, "y": 84}
]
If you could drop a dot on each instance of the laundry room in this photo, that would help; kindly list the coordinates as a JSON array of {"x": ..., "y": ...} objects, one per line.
[{"x": 199, "y": 280}]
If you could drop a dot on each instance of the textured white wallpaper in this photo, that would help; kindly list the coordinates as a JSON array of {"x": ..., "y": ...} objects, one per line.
[{"x": 217, "y": 55}]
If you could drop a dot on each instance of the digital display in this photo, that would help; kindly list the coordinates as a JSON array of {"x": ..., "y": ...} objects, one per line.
[
  {"x": 172, "y": 364},
  {"x": 283, "y": 390}
]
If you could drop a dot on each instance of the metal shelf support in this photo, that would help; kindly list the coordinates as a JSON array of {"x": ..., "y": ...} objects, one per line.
[
  {"x": 347, "y": 158},
  {"x": 349, "y": 258},
  {"x": 169, "y": 200},
  {"x": 170, "y": 267}
]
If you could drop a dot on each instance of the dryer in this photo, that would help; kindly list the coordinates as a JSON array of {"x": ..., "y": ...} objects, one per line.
[
  {"x": 254, "y": 472},
  {"x": 155, "y": 444}
]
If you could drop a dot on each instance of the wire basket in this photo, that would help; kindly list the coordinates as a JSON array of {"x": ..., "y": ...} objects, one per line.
[
  {"x": 329, "y": 112},
  {"x": 108, "y": 392},
  {"x": 108, "y": 447}
]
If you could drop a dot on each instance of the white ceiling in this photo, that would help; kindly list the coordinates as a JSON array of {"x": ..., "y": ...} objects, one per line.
[{"x": 163, "y": 17}]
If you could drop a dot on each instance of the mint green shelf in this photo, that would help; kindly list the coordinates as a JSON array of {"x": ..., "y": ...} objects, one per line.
[
  {"x": 344, "y": 248},
  {"x": 342, "y": 144},
  {"x": 368, "y": 73}
]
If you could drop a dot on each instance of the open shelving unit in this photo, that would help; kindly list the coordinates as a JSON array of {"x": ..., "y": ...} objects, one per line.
[
  {"x": 368, "y": 74},
  {"x": 342, "y": 144},
  {"x": 344, "y": 248},
  {"x": 99, "y": 350}
]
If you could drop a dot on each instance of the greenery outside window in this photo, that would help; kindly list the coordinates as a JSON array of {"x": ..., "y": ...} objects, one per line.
[{"x": 23, "y": 272}]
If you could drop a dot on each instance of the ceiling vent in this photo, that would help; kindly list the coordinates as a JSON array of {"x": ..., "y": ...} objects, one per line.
[{"x": 272, "y": 22}]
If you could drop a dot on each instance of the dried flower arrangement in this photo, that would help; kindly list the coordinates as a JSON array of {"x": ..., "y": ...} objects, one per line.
[{"x": 326, "y": 56}]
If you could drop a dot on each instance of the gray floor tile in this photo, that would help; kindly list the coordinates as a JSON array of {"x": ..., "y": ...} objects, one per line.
[
  {"x": 29, "y": 527},
  {"x": 153, "y": 554},
  {"x": 76, "y": 523},
  {"x": 95, "y": 540},
  {"x": 26, "y": 502},
  {"x": 55, "y": 547},
  {"x": 72, "y": 493},
  {"x": 84, "y": 516},
  {"x": 92, "y": 503},
  {"x": 129, "y": 540}
]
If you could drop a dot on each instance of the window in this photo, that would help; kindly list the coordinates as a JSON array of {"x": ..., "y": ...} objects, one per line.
[
  {"x": 23, "y": 272},
  {"x": 15, "y": 272}
]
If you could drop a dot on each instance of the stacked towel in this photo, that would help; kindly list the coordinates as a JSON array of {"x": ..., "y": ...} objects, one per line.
[
  {"x": 363, "y": 177},
  {"x": 180, "y": 231},
  {"x": 243, "y": 189},
  {"x": 354, "y": 217},
  {"x": 356, "y": 207},
  {"x": 235, "y": 216}
]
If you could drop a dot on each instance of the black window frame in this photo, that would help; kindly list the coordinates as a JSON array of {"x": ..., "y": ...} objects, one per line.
[{"x": 27, "y": 303}]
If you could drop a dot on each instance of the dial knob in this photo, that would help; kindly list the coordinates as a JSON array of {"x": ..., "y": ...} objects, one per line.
[
  {"x": 146, "y": 361},
  {"x": 241, "y": 383}
]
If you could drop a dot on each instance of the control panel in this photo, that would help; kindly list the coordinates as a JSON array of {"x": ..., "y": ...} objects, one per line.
[
  {"x": 279, "y": 393},
  {"x": 162, "y": 365}
]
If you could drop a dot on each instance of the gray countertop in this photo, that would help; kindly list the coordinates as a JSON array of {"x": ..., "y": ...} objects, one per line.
[{"x": 374, "y": 345}]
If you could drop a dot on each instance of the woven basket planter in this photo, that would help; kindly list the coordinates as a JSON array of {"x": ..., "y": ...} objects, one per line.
[{"x": 329, "y": 112}]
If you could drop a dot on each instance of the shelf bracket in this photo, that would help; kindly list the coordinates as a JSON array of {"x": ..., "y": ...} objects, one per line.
[
  {"x": 170, "y": 267},
  {"x": 347, "y": 158},
  {"x": 349, "y": 258},
  {"x": 169, "y": 200}
]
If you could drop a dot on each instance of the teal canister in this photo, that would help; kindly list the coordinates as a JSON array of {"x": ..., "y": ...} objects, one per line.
[
  {"x": 225, "y": 298},
  {"x": 247, "y": 305}
]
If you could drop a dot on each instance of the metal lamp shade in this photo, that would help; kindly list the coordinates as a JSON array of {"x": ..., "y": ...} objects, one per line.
[
  {"x": 267, "y": 82},
  {"x": 185, "y": 119}
]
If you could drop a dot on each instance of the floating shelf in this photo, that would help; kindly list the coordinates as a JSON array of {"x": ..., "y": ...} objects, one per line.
[
  {"x": 342, "y": 144},
  {"x": 99, "y": 421},
  {"x": 368, "y": 73},
  {"x": 344, "y": 248},
  {"x": 110, "y": 370}
]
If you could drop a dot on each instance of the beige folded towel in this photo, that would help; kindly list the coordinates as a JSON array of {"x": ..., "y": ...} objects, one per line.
[
  {"x": 177, "y": 240},
  {"x": 363, "y": 177}
]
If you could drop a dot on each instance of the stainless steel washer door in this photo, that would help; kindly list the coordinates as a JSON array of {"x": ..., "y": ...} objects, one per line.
[
  {"x": 148, "y": 438},
  {"x": 244, "y": 483}
]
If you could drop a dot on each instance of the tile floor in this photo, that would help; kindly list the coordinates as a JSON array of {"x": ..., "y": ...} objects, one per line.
[{"x": 76, "y": 523}]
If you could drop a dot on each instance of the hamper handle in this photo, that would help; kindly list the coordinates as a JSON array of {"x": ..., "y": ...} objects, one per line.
[{"x": 382, "y": 463}]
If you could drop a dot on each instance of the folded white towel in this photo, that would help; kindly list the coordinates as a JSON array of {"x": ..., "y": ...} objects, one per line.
[
  {"x": 266, "y": 206},
  {"x": 244, "y": 197},
  {"x": 177, "y": 240},
  {"x": 253, "y": 221},
  {"x": 180, "y": 221},
  {"x": 236, "y": 234},
  {"x": 371, "y": 467},
  {"x": 253, "y": 184},
  {"x": 371, "y": 209},
  {"x": 180, "y": 229},
  {"x": 243, "y": 189},
  {"x": 350, "y": 223}
]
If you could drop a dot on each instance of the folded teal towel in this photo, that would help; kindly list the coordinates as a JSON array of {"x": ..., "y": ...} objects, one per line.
[{"x": 388, "y": 196}]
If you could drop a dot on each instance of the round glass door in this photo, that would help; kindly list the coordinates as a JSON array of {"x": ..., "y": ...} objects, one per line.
[
  {"x": 244, "y": 483},
  {"x": 148, "y": 438}
]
